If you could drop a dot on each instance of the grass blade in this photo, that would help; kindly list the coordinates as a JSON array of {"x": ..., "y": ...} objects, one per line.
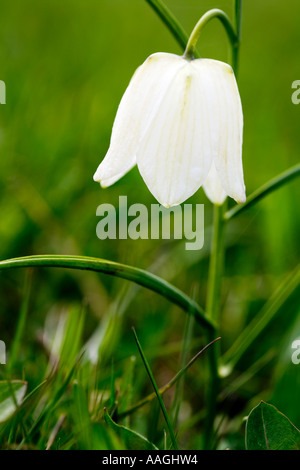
[
  {"x": 14, "y": 351},
  {"x": 161, "y": 403},
  {"x": 261, "y": 320},
  {"x": 187, "y": 338},
  {"x": 170, "y": 384},
  {"x": 139, "y": 276}
]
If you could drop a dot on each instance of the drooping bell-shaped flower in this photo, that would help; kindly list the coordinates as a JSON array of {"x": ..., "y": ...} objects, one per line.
[{"x": 181, "y": 122}]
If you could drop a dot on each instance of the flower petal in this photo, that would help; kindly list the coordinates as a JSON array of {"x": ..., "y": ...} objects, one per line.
[
  {"x": 213, "y": 188},
  {"x": 177, "y": 149},
  {"x": 229, "y": 122},
  {"x": 140, "y": 99}
]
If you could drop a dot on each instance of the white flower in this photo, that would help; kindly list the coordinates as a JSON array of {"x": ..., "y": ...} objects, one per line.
[{"x": 181, "y": 122}]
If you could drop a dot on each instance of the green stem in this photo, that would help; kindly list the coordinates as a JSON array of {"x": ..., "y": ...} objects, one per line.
[
  {"x": 213, "y": 310},
  {"x": 170, "y": 21},
  {"x": 208, "y": 16},
  {"x": 217, "y": 251},
  {"x": 216, "y": 265},
  {"x": 236, "y": 44},
  {"x": 238, "y": 16},
  {"x": 139, "y": 276}
]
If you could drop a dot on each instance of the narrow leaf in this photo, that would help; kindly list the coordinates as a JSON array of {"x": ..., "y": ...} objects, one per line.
[
  {"x": 139, "y": 276},
  {"x": 81, "y": 417},
  {"x": 261, "y": 320},
  {"x": 161, "y": 403}
]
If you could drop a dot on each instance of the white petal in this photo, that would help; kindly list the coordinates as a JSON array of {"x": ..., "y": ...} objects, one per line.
[
  {"x": 229, "y": 120},
  {"x": 213, "y": 188},
  {"x": 177, "y": 149},
  {"x": 139, "y": 101}
]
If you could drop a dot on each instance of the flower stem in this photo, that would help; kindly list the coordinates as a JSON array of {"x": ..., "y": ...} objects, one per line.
[
  {"x": 219, "y": 226},
  {"x": 170, "y": 21},
  {"x": 216, "y": 264},
  {"x": 236, "y": 44},
  {"x": 208, "y": 16},
  {"x": 213, "y": 310}
]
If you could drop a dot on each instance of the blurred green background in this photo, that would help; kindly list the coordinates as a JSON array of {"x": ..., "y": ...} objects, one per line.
[{"x": 66, "y": 65}]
